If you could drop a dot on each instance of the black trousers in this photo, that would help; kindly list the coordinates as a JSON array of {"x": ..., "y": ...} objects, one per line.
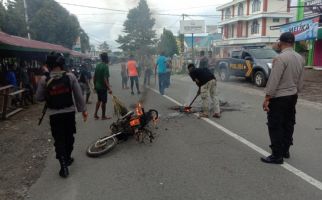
[
  {"x": 281, "y": 121},
  {"x": 136, "y": 80},
  {"x": 63, "y": 128}
]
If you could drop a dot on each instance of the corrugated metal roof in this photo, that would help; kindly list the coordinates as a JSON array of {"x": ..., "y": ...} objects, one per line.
[
  {"x": 78, "y": 54},
  {"x": 33, "y": 44}
]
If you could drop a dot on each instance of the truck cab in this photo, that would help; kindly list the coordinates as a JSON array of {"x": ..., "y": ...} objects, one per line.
[{"x": 253, "y": 63}]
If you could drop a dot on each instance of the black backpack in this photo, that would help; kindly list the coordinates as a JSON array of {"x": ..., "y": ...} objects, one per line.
[{"x": 59, "y": 93}]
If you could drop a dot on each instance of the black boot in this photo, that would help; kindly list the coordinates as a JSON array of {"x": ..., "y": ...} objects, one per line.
[
  {"x": 63, "y": 168},
  {"x": 286, "y": 152},
  {"x": 272, "y": 159},
  {"x": 70, "y": 161}
]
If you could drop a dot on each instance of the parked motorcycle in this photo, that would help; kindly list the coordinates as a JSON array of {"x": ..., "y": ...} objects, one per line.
[{"x": 134, "y": 123}]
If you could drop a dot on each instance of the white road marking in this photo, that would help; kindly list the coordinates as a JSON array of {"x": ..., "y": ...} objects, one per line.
[{"x": 316, "y": 183}]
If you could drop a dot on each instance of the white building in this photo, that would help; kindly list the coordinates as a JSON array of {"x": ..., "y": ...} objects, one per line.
[{"x": 248, "y": 22}]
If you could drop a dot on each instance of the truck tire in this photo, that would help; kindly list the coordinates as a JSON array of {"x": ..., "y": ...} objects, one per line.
[
  {"x": 224, "y": 74},
  {"x": 260, "y": 79}
]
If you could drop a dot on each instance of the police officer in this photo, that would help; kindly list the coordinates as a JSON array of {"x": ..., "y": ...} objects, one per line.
[
  {"x": 283, "y": 86},
  {"x": 63, "y": 97}
]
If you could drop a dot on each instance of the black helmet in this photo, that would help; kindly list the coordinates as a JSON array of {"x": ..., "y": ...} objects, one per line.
[{"x": 55, "y": 59}]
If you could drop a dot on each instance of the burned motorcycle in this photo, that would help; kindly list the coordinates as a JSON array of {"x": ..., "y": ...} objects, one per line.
[{"x": 134, "y": 123}]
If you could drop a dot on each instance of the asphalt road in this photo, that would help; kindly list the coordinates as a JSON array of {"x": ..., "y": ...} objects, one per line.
[{"x": 191, "y": 158}]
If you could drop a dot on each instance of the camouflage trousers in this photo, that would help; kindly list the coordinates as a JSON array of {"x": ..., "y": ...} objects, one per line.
[{"x": 208, "y": 91}]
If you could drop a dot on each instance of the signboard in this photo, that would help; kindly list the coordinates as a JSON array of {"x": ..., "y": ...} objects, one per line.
[
  {"x": 192, "y": 26},
  {"x": 212, "y": 29},
  {"x": 309, "y": 11},
  {"x": 303, "y": 30}
]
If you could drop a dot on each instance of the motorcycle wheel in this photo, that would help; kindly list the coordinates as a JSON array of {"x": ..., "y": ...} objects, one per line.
[{"x": 99, "y": 148}]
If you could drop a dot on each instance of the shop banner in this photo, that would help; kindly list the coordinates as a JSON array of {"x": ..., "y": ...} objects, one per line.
[{"x": 303, "y": 30}]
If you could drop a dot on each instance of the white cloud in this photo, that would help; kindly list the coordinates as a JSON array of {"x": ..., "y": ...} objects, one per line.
[{"x": 104, "y": 25}]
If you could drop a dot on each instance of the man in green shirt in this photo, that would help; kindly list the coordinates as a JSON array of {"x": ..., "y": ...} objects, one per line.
[{"x": 101, "y": 82}]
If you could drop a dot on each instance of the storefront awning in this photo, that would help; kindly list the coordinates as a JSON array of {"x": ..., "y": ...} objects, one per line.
[{"x": 15, "y": 43}]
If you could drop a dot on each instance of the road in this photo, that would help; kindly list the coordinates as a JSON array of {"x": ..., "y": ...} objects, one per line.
[{"x": 192, "y": 158}]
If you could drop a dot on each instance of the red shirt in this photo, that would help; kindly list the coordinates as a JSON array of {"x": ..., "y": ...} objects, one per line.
[{"x": 131, "y": 68}]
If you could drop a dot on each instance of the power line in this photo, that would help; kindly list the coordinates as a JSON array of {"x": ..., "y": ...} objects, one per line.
[
  {"x": 126, "y": 11},
  {"x": 78, "y": 5}
]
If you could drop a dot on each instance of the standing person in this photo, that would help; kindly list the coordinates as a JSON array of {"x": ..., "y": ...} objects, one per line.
[
  {"x": 207, "y": 83},
  {"x": 283, "y": 86},
  {"x": 26, "y": 83},
  {"x": 132, "y": 70},
  {"x": 147, "y": 70},
  {"x": 63, "y": 96},
  {"x": 101, "y": 84},
  {"x": 161, "y": 69},
  {"x": 211, "y": 62},
  {"x": 85, "y": 81},
  {"x": 124, "y": 75},
  {"x": 168, "y": 71},
  {"x": 11, "y": 77},
  {"x": 203, "y": 63}
]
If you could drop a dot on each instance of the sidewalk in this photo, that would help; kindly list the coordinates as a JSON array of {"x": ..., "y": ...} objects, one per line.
[{"x": 312, "y": 90}]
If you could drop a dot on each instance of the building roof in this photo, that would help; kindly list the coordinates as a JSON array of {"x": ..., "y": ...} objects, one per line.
[
  {"x": 226, "y": 5},
  {"x": 29, "y": 45},
  {"x": 78, "y": 54},
  {"x": 22, "y": 44}
]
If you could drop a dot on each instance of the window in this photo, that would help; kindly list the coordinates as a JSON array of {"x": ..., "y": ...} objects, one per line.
[
  {"x": 231, "y": 31},
  {"x": 276, "y": 20},
  {"x": 227, "y": 13},
  {"x": 263, "y": 53},
  {"x": 255, "y": 27},
  {"x": 256, "y": 6},
  {"x": 245, "y": 54},
  {"x": 235, "y": 54},
  {"x": 240, "y": 9}
]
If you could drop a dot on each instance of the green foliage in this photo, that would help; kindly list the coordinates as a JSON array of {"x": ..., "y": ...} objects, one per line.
[
  {"x": 48, "y": 21},
  {"x": 53, "y": 23},
  {"x": 168, "y": 43},
  {"x": 2, "y": 15},
  {"x": 15, "y": 23},
  {"x": 138, "y": 29},
  {"x": 84, "y": 41}
]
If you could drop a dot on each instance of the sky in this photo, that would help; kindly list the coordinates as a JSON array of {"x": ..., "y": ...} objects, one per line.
[{"x": 102, "y": 25}]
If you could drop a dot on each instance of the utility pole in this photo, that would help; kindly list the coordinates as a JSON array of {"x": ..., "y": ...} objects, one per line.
[
  {"x": 27, "y": 18},
  {"x": 182, "y": 38}
]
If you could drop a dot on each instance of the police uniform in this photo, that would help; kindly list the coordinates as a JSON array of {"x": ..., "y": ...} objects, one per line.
[
  {"x": 285, "y": 81},
  {"x": 63, "y": 97}
]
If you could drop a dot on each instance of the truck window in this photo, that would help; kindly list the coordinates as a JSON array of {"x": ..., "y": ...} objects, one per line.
[
  {"x": 263, "y": 53},
  {"x": 235, "y": 54},
  {"x": 245, "y": 54}
]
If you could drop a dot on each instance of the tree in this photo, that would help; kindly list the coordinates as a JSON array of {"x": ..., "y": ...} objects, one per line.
[
  {"x": 104, "y": 47},
  {"x": 84, "y": 41},
  {"x": 48, "y": 20},
  {"x": 168, "y": 43},
  {"x": 53, "y": 23},
  {"x": 15, "y": 23},
  {"x": 2, "y": 15},
  {"x": 138, "y": 29}
]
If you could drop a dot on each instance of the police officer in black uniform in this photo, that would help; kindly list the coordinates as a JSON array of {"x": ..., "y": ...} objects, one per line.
[{"x": 63, "y": 97}]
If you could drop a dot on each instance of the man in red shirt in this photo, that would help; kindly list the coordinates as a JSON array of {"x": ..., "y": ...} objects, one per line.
[{"x": 133, "y": 74}]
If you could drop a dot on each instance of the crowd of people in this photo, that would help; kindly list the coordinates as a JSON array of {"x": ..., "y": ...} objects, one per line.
[
  {"x": 20, "y": 76},
  {"x": 65, "y": 94}
]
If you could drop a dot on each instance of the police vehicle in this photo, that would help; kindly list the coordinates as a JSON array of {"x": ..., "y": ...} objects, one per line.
[{"x": 252, "y": 62}]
